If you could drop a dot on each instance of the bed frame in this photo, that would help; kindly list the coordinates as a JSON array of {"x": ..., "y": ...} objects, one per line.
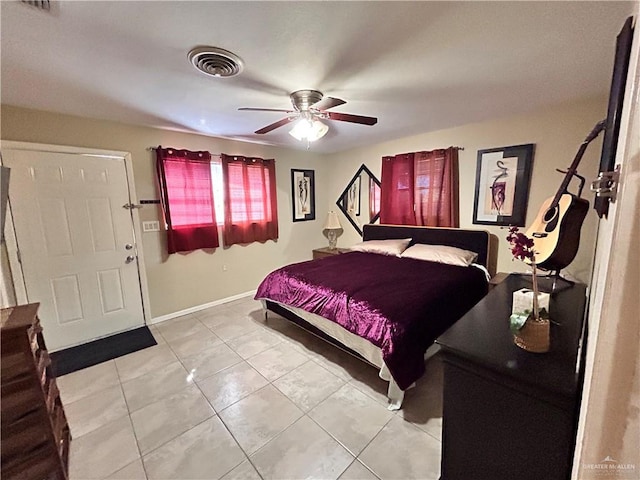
[{"x": 479, "y": 241}]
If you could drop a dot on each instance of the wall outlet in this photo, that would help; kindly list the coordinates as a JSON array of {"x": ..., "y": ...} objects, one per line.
[{"x": 152, "y": 226}]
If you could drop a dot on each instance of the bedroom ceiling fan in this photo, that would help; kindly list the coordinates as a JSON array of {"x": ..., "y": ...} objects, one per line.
[{"x": 309, "y": 107}]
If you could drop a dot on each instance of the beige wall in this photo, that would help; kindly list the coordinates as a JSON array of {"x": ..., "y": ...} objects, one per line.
[
  {"x": 557, "y": 133},
  {"x": 178, "y": 282}
]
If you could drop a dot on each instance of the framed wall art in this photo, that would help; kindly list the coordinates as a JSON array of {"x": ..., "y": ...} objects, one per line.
[
  {"x": 352, "y": 197},
  {"x": 503, "y": 176},
  {"x": 303, "y": 195},
  {"x": 614, "y": 109}
]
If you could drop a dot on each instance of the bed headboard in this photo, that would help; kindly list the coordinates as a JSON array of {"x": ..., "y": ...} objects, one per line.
[{"x": 475, "y": 240}]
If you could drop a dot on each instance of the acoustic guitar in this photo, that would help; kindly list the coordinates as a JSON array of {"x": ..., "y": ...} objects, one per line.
[{"x": 556, "y": 229}]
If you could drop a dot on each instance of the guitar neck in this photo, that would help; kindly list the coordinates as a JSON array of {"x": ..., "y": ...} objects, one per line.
[{"x": 576, "y": 161}]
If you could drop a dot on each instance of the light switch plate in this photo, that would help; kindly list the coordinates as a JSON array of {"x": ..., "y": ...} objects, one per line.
[{"x": 152, "y": 226}]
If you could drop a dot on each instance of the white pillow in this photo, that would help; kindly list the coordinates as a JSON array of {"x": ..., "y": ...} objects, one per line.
[
  {"x": 440, "y": 254},
  {"x": 383, "y": 247}
]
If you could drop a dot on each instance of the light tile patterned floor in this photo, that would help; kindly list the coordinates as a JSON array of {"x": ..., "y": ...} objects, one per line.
[{"x": 227, "y": 395}]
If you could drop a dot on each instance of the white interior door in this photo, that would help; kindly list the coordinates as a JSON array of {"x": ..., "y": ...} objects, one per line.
[{"x": 76, "y": 243}]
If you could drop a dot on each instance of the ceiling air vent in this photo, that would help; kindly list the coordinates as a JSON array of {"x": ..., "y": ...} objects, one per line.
[
  {"x": 41, "y": 4},
  {"x": 216, "y": 62}
]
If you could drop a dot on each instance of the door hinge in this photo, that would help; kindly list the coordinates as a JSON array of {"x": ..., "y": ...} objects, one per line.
[
  {"x": 131, "y": 206},
  {"x": 19, "y": 257},
  {"x": 606, "y": 185}
]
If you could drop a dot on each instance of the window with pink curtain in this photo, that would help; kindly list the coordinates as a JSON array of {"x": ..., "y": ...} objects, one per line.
[
  {"x": 250, "y": 200},
  {"x": 396, "y": 195},
  {"x": 421, "y": 188},
  {"x": 187, "y": 199}
]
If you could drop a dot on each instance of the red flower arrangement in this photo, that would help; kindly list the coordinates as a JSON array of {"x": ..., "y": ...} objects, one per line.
[
  {"x": 521, "y": 245},
  {"x": 522, "y": 249}
]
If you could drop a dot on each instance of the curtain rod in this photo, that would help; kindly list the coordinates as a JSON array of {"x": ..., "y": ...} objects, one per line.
[{"x": 153, "y": 149}]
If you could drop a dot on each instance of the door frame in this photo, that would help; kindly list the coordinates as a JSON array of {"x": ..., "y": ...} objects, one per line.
[
  {"x": 11, "y": 239},
  {"x": 605, "y": 294}
]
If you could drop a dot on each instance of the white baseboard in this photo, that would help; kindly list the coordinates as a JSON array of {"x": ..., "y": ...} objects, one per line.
[{"x": 197, "y": 308}]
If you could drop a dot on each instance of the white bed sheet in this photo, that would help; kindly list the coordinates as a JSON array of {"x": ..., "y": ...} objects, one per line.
[{"x": 363, "y": 347}]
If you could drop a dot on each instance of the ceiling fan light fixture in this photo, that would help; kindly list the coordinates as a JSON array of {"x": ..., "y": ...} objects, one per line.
[{"x": 309, "y": 130}]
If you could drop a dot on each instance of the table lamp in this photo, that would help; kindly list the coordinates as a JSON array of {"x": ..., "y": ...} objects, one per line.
[{"x": 332, "y": 229}]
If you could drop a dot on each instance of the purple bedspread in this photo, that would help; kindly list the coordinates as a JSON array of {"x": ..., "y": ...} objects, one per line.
[{"x": 400, "y": 305}]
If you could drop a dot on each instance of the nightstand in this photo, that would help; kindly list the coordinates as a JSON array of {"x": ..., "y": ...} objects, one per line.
[
  {"x": 327, "y": 252},
  {"x": 497, "y": 279}
]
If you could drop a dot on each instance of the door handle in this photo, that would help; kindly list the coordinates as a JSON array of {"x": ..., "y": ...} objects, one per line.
[{"x": 129, "y": 259}]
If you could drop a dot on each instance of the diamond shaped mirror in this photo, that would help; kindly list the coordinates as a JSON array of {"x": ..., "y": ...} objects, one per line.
[{"x": 360, "y": 200}]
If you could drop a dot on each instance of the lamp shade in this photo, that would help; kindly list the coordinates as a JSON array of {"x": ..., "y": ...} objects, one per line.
[
  {"x": 332, "y": 229},
  {"x": 332, "y": 222}
]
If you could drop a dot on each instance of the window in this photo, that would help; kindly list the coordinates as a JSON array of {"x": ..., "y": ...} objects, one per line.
[
  {"x": 199, "y": 193},
  {"x": 421, "y": 189},
  {"x": 250, "y": 208},
  {"x": 218, "y": 188},
  {"x": 187, "y": 199}
]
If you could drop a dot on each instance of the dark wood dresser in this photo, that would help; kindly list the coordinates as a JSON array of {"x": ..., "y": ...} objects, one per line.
[
  {"x": 509, "y": 414},
  {"x": 35, "y": 434}
]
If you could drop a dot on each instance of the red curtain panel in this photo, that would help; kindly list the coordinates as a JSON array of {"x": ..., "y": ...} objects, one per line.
[
  {"x": 187, "y": 199},
  {"x": 421, "y": 188},
  {"x": 397, "y": 194},
  {"x": 251, "y": 213},
  {"x": 436, "y": 188}
]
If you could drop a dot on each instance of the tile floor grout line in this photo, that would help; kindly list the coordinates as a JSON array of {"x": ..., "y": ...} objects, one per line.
[
  {"x": 333, "y": 437},
  {"x": 323, "y": 398},
  {"x": 284, "y": 374},
  {"x": 215, "y": 413},
  {"x": 385, "y": 405},
  {"x": 241, "y": 398},
  {"x": 282, "y": 340},
  {"x": 133, "y": 430},
  {"x": 174, "y": 437},
  {"x": 281, "y": 433},
  {"x": 200, "y": 351},
  {"x": 357, "y": 460},
  {"x": 88, "y": 395},
  {"x": 238, "y": 443}
]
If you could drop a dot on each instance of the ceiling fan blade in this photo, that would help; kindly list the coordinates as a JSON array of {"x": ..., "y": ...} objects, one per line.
[
  {"x": 345, "y": 117},
  {"x": 275, "y": 125},
  {"x": 328, "y": 102},
  {"x": 265, "y": 110}
]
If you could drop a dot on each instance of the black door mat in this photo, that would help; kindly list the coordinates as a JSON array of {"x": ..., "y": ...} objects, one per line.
[{"x": 98, "y": 351}]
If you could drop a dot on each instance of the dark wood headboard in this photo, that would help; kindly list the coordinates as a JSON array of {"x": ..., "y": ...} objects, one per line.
[{"x": 474, "y": 240}]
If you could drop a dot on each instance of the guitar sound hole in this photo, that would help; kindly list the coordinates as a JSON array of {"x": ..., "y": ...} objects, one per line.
[{"x": 550, "y": 214}]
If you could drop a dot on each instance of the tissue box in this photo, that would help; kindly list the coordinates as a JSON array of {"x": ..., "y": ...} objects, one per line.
[{"x": 523, "y": 300}]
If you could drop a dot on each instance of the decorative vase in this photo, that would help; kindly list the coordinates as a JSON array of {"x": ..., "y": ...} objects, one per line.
[{"x": 533, "y": 336}]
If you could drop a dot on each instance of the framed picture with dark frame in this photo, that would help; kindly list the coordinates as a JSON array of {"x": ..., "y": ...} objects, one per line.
[
  {"x": 352, "y": 197},
  {"x": 503, "y": 176},
  {"x": 303, "y": 195},
  {"x": 614, "y": 109}
]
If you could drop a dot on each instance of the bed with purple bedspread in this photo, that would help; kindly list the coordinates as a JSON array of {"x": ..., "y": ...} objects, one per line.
[{"x": 400, "y": 305}]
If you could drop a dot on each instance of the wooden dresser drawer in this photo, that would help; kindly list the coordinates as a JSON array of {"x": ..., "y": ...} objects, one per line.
[{"x": 35, "y": 434}]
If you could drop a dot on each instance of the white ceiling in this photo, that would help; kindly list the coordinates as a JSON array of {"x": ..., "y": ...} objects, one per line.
[{"x": 417, "y": 66}]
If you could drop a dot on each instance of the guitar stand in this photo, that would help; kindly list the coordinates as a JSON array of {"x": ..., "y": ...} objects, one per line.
[{"x": 555, "y": 275}]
